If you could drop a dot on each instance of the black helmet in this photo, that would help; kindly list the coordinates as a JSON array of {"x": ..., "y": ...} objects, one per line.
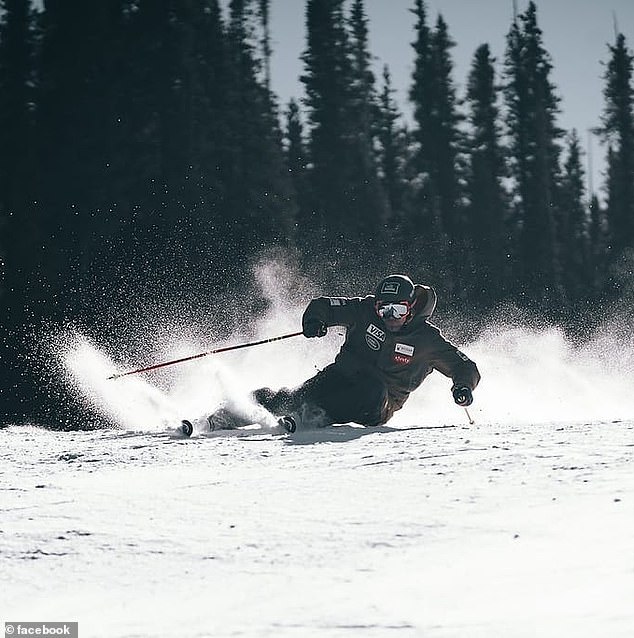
[{"x": 394, "y": 288}]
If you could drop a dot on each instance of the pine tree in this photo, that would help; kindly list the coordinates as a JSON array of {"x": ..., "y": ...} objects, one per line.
[
  {"x": 487, "y": 207},
  {"x": 349, "y": 202},
  {"x": 297, "y": 162},
  {"x": 422, "y": 88},
  {"x": 618, "y": 131},
  {"x": 599, "y": 250},
  {"x": 532, "y": 109},
  {"x": 436, "y": 157},
  {"x": 16, "y": 100},
  {"x": 17, "y": 237},
  {"x": 367, "y": 202},
  {"x": 73, "y": 125},
  {"x": 392, "y": 151},
  {"x": 19, "y": 234},
  {"x": 446, "y": 139},
  {"x": 264, "y": 12},
  {"x": 574, "y": 226},
  {"x": 426, "y": 221},
  {"x": 325, "y": 81},
  {"x": 209, "y": 106},
  {"x": 258, "y": 187}
]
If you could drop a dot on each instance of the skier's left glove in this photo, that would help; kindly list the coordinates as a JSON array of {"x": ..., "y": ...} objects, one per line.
[
  {"x": 462, "y": 395},
  {"x": 314, "y": 328}
]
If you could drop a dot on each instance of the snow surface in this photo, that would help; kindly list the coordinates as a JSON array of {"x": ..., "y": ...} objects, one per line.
[
  {"x": 423, "y": 531},
  {"x": 521, "y": 525}
]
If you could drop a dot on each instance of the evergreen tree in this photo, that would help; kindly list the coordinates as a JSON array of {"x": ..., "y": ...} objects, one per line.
[
  {"x": 16, "y": 139},
  {"x": 172, "y": 131},
  {"x": 487, "y": 206},
  {"x": 392, "y": 151},
  {"x": 16, "y": 100},
  {"x": 297, "y": 162},
  {"x": 210, "y": 105},
  {"x": 258, "y": 187},
  {"x": 532, "y": 109},
  {"x": 574, "y": 226},
  {"x": 367, "y": 201},
  {"x": 326, "y": 73},
  {"x": 436, "y": 157},
  {"x": 618, "y": 131},
  {"x": 79, "y": 70},
  {"x": 178, "y": 81},
  {"x": 349, "y": 203},
  {"x": 426, "y": 222},
  {"x": 599, "y": 250},
  {"x": 446, "y": 137},
  {"x": 264, "y": 11},
  {"x": 19, "y": 234}
]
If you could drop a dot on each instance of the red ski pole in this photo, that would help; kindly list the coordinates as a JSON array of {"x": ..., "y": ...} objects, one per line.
[{"x": 204, "y": 354}]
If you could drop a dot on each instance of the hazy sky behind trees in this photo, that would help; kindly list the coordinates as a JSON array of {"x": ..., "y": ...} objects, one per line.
[{"x": 576, "y": 34}]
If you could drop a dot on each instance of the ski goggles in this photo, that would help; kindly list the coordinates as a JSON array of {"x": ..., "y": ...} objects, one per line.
[{"x": 393, "y": 310}]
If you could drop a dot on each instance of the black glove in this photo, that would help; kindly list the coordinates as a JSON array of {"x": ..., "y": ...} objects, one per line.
[
  {"x": 462, "y": 395},
  {"x": 314, "y": 328}
]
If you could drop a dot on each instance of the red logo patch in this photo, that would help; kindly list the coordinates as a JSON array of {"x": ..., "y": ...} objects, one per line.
[{"x": 401, "y": 359}]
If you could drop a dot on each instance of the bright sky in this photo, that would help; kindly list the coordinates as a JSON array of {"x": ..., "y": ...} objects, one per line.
[{"x": 576, "y": 34}]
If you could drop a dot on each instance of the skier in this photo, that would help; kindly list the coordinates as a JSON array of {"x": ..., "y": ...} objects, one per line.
[{"x": 389, "y": 349}]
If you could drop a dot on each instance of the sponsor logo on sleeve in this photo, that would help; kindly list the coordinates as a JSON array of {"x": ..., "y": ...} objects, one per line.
[{"x": 462, "y": 355}]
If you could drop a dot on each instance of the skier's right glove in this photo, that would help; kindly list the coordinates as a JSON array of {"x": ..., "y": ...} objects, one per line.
[
  {"x": 314, "y": 328},
  {"x": 462, "y": 395}
]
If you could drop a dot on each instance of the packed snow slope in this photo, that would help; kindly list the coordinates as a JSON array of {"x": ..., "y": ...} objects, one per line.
[
  {"x": 454, "y": 531},
  {"x": 521, "y": 525}
]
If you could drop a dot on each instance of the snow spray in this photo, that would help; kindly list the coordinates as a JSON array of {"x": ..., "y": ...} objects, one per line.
[{"x": 529, "y": 375}]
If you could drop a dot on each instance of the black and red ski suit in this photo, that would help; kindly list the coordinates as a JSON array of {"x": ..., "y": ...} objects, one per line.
[{"x": 376, "y": 370}]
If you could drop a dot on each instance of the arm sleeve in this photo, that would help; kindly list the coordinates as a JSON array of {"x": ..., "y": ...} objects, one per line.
[
  {"x": 333, "y": 311},
  {"x": 447, "y": 359}
]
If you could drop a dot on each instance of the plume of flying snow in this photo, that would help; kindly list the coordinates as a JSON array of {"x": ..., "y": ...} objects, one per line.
[{"x": 528, "y": 374}]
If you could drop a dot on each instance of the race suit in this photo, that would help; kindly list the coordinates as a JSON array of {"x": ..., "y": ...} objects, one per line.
[{"x": 375, "y": 370}]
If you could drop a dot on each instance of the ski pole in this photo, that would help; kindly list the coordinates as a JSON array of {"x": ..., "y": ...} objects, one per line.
[
  {"x": 471, "y": 421},
  {"x": 203, "y": 354}
]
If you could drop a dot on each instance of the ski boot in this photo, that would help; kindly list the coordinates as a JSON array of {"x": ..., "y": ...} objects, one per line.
[
  {"x": 187, "y": 427},
  {"x": 288, "y": 423}
]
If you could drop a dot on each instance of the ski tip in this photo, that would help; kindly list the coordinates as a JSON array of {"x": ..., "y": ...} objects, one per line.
[{"x": 186, "y": 427}]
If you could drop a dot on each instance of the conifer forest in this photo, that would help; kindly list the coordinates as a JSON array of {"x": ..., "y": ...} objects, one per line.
[{"x": 145, "y": 158}]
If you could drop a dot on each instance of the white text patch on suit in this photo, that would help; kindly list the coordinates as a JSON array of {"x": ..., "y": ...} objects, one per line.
[{"x": 404, "y": 348}]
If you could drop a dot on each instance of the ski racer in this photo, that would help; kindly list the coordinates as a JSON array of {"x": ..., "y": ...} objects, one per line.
[{"x": 389, "y": 349}]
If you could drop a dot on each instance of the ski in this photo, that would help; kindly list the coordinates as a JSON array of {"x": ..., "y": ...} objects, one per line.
[{"x": 286, "y": 422}]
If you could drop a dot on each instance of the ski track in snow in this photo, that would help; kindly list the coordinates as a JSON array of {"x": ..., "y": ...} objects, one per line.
[
  {"x": 521, "y": 525},
  {"x": 421, "y": 531}
]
